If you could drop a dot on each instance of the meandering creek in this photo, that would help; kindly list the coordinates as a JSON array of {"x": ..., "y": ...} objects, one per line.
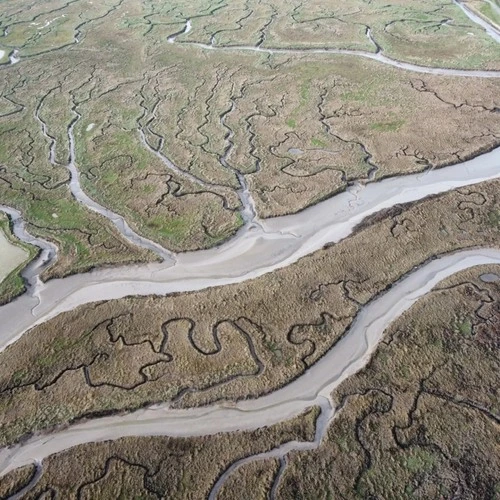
[
  {"x": 314, "y": 387},
  {"x": 377, "y": 55},
  {"x": 264, "y": 246}
]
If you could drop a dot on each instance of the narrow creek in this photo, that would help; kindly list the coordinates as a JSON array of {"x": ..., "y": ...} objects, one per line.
[
  {"x": 49, "y": 252},
  {"x": 377, "y": 55},
  {"x": 76, "y": 190},
  {"x": 119, "y": 222},
  {"x": 46, "y": 256},
  {"x": 247, "y": 211},
  {"x": 261, "y": 248}
]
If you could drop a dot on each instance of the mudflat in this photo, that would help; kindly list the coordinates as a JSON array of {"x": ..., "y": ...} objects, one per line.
[{"x": 11, "y": 256}]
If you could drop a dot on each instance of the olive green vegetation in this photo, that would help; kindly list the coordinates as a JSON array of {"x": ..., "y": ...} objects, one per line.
[
  {"x": 13, "y": 284},
  {"x": 494, "y": 218},
  {"x": 417, "y": 421},
  {"x": 421, "y": 417},
  {"x": 341, "y": 104},
  {"x": 455, "y": 43},
  {"x": 40, "y": 192},
  {"x": 318, "y": 142},
  {"x": 16, "y": 481},
  {"x": 429, "y": 32},
  {"x": 388, "y": 126}
]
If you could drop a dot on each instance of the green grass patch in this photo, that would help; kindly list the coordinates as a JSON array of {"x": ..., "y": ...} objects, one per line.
[
  {"x": 305, "y": 91},
  {"x": 360, "y": 95},
  {"x": 463, "y": 326},
  {"x": 175, "y": 229},
  {"x": 60, "y": 346},
  {"x": 419, "y": 461},
  {"x": 19, "y": 376},
  {"x": 318, "y": 142},
  {"x": 393, "y": 126},
  {"x": 110, "y": 177},
  {"x": 273, "y": 347},
  {"x": 494, "y": 218},
  {"x": 69, "y": 214}
]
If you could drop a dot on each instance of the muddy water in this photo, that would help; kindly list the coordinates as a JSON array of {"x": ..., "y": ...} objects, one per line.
[{"x": 489, "y": 278}]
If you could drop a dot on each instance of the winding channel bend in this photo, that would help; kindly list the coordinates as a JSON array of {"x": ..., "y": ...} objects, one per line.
[
  {"x": 314, "y": 387},
  {"x": 263, "y": 247},
  {"x": 377, "y": 55},
  {"x": 48, "y": 252}
]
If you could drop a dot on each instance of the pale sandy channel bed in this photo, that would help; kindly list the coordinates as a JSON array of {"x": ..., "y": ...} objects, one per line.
[{"x": 11, "y": 255}]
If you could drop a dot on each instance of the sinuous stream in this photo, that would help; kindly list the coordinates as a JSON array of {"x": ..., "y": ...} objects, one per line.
[
  {"x": 46, "y": 255},
  {"x": 377, "y": 55},
  {"x": 314, "y": 387}
]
